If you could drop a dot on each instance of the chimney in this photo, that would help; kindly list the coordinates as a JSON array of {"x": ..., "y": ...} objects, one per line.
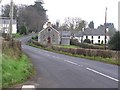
[{"x": 49, "y": 24}]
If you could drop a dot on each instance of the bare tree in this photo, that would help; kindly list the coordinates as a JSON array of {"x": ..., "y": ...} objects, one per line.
[{"x": 75, "y": 24}]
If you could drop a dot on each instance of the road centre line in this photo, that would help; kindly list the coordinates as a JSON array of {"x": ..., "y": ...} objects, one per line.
[
  {"x": 70, "y": 62},
  {"x": 87, "y": 69},
  {"x": 80, "y": 65},
  {"x": 91, "y": 70},
  {"x": 102, "y": 74}
]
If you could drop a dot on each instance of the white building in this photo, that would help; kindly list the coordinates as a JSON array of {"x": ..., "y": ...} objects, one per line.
[
  {"x": 5, "y": 23},
  {"x": 96, "y": 36}
]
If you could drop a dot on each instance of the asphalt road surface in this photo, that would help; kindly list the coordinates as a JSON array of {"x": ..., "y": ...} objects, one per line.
[{"x": 61, "y": 71}]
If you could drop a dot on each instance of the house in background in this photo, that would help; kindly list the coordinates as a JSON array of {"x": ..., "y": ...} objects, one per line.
[
  {"x": 5, "y": 25},
  {"x": 96, "y": 36},
  {"x": 49, "y": 35},
  {"x": 65, "y": 37}
]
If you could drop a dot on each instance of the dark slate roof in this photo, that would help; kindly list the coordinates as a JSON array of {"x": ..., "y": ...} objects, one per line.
[
  {"x": 94, "y": 32},
  {"x": 78, "y": 34},
  {"x": 49, "y": 27},
  {"x": 6, "y": 21},
  {"x": 65, "y": 33}
]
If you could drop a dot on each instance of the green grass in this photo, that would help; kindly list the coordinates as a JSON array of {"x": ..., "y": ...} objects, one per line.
[
  {"x": 17, "y": 35},
  {"x": 15, "y": 71},
  {"x": 100, "y": 59},
  {"x": 68, "y": 46}
]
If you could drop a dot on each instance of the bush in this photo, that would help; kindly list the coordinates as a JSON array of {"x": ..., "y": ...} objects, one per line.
[
  {"x": 114, "y": 42},
  {"x": 23, "y": 30},
  {"x": 35, "y": 38},
  {"x": 102, "y": 42},
  {"x": 84, "y": 45},
  {"x": 87, "y": 41},
  {"x": 74, "y": 42}
]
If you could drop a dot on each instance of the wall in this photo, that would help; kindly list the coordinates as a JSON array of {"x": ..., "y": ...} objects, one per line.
[
  {"x": 95, "y": 39},
  {"x": 65, "y": 41},
  {"x": 5, "y": 28},
  {"x": 53, "y": 34}
]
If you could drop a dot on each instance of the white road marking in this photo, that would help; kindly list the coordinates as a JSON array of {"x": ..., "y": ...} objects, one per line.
[
  {"x": 70, "y": 62},
  {"x": 28, "y": 87},
  {"x": 102, "y": 74},
  {"x": 87, "y": 68},
  {"x": 80, "y": 65}
]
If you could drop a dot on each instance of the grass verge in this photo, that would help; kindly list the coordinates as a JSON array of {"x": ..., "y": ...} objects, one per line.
[
  {"x": 100, "y": 59},
  {"x": 17, "y": 35},
  {"x": 15, "y": 71},
  {"x": 67, "y": 46}
]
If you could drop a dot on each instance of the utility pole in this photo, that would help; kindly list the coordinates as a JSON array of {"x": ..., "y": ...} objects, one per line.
[
  {"x": 105, "y": 27},
  {"x": 11, "y": 18},
  {"x": 0, "y": 1},
  {"x": 119, "y": 16}
]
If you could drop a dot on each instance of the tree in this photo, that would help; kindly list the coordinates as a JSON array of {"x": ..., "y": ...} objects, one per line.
[
  {"x": 6, "y": 11},
  {"x": 32, "y": 16},
  {"x": 23, "y": 30},
  {"x": 56, "y": 25},
  {"x": 91, "y": 25},
  {"x": 75, "y": 24},
  {"x": 35, "y": 16},
  {"x": 114, "y": 42}
]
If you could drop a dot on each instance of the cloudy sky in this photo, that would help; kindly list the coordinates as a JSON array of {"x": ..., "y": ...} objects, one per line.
[{"x": 89, "y": 10}]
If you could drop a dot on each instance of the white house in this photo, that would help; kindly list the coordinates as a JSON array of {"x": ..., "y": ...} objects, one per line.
[
  {"x": 96, "y": 36},
  {"x": 5, "y": 23}
]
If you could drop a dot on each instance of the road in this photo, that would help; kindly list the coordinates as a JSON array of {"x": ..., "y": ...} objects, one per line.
[{"x": 61, "y": 71}]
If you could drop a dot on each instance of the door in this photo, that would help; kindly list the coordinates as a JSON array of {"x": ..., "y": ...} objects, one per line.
[{"x": 49, "y": 40}]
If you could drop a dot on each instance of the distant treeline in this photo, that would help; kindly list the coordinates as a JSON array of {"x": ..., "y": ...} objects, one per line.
[{"x": 31, "y": 16}]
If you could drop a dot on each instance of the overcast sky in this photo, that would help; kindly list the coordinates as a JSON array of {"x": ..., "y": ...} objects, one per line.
[{"x": 89, "y": 10}]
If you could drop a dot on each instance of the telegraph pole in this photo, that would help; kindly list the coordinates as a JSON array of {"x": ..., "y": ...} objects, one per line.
[
  {"x": 0, "y": 1},
  {"x": 11, "y": 18},
  {"x": 105, "y": 27}
]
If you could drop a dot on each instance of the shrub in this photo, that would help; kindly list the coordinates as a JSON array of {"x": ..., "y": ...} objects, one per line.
[
  {"x": 102, "y": 42},
  {"x": 35, "y": 38},
  {"x": 114, "y": 42},
  {"x": 23, "y": 30},
  {"x": 84, "y": 45},
  {"x": 87, "y": 41},
  {"x": 74, "y": 42}
]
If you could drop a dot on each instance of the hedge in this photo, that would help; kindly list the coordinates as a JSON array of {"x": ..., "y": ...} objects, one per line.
[{"x": 83, "y": 51}]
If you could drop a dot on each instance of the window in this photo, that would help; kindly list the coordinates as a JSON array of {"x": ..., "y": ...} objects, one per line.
[
  {"x": 49, "y": 30},
  {"x": 44, "y": 39},
  {"x": 98, "y": 37},
  {"x": 92, "y": 37},
  {"x": 98, "y": 41},
  {"x": 86, "y": 37},
  {"x": 53, "y": 38}
]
